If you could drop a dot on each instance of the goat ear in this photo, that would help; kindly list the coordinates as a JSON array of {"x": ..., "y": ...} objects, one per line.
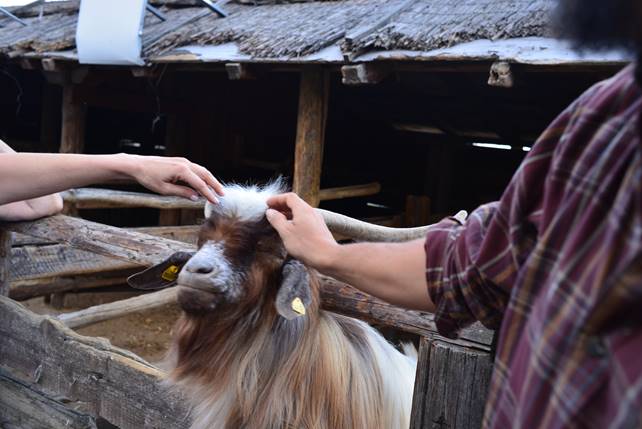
[
  {"x": 294, "y": 294},
  {"x": 160, "y": 276}
]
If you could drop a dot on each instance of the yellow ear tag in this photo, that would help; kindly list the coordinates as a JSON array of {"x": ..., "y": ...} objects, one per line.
[
  {"x": 298, "y": 307},
  {"x": 171, "y": 273}
]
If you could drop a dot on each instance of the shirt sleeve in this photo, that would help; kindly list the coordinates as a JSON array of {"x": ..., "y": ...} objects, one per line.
[{"x": 471, "y": 267}]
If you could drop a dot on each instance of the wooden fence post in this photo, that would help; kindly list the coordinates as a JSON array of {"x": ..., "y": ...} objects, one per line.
[
  {"x": 451, "y": 386},
  {"x": 310, "y": 135},
  {"x": 72, "y": 136},
  {"x": 72, "y": 132},
  {"x": 5, "y": 258}
]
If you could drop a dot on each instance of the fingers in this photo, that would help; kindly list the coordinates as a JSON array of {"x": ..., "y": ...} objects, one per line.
[
  {"x": 277, "y": 220},
  {"x": 197, "y": 183},
  {"x": 179, "y": 191},
  {"x": 288, "y": 203},
  {"x": 208, "y": 177}
]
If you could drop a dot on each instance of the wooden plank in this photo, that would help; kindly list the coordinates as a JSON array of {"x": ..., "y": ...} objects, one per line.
[
  {"x": 501, "y": 75},
  {"x": 72, "y": 139},
  {"x": 353, "y": 191},
  {"x": 240, "y": 71},
  {"x": 32, "y": 262},
  {"x": 30, "y": 288},
  {"x": 186, "y": 233},
  {"x": 310, "y": 134},
  {"x": 109, "y": 382},
  {"x": 345, "y": 299},
  {"x": 365, "y": 74},
  {"x": 421, "y": 386},
  {"x": 113, "y": 310},
  {"x": 24, "y": 407},
  {"x": 129, "y": 246},
  {"x": 5, "y": 256},
  {"x": 96, "y": 198},
  {"x": 336, "y": 296},
  {"x": 452, "y": 386}
]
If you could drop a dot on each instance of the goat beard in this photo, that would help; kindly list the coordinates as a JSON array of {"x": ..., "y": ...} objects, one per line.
[
  {"x": 194, "y": 301},
  {"x": 600, "y": 24}
]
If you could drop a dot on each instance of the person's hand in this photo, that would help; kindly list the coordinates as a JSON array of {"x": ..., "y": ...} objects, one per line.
[
  {"x": 175, "y": 176},
  {"x": 302, "y": 229}
]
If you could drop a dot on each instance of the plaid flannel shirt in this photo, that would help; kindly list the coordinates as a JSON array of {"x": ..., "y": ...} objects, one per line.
[{"x": 556, "y": 265}]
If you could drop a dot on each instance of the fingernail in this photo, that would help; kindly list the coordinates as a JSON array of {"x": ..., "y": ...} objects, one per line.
[
  {"x": 216, "y": 200},
  {"x": 194, "y": 198}
]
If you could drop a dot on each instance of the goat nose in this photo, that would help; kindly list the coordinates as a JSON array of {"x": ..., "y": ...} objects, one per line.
[{"x": 200, "y": 267}]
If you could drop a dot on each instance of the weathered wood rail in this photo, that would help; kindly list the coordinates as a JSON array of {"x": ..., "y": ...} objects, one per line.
[
  {"x": 435, "y": 395},
  {"x": 98, "y": 198}
]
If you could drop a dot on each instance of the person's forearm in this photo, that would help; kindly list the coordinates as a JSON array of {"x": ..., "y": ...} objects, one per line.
[
  {"x": 394, "y": 272},
  {"x": 28, "y": 175}
]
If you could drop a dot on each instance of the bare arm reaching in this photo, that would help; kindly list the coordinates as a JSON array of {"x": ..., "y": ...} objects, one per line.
[
  {"x": 394, "y": 272},
  {"x": 28, "y": 175},
  {"x": 29, "y": 181}
]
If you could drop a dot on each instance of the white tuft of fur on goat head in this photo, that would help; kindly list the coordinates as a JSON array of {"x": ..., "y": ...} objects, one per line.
[{"x": 254, "y": 350}]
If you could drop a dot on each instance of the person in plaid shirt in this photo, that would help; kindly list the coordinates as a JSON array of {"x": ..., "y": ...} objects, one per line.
[{"x": 555, "y": 264}]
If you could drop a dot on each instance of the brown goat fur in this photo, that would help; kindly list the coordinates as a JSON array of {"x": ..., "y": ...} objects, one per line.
[{"x": 244, "y": 365}]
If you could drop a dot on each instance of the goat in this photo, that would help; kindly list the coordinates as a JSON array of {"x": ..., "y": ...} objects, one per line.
[{"x": 253, "y": 349}]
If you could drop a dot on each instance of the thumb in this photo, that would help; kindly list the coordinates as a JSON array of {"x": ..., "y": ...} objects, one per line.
[{"x": 277, "y": 220}]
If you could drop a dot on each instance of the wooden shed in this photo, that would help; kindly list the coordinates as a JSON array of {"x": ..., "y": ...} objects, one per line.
[{"x": 399, "y": 112}]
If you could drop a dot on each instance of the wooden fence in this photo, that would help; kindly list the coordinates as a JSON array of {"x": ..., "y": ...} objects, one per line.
[{"x": 63, "y": 375}]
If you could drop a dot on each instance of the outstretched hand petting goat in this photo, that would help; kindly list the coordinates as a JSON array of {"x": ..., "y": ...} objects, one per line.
[
  {"x": 394, "y": 272},
  {"x": 29, "y": 181}
]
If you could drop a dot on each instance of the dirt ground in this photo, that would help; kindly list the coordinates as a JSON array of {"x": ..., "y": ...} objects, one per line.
[{"x": 147, "y": 334}]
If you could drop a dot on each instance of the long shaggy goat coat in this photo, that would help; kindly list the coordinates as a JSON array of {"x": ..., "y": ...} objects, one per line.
[{"x": 241, "y": 364}]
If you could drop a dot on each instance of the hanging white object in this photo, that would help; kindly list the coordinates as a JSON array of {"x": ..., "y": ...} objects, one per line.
[{"x": 109, "y": 31}]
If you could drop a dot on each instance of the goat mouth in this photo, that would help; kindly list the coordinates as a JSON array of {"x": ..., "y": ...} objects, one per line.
[
  {"x": 210, "y": 284},
  {"x": 200, "y": 287}
]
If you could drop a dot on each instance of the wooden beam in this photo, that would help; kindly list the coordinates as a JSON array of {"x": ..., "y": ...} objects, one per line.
[
  {"x": 105, "y": 240},
  {"x": 446, "y": 375},
  {"x": 147, "y": 72},
  {"x": 5, "y": 257},
  {"x": 353, "y": 191},
  {"x": 113, "y": 310},
  {"x": 95, "y": 198},
  {"x": 29, "y": 64},
  {"x": 23, "y": 406},
  {"x": 501, "y": 75},
  {"x": 310, "y": 135},
  {"x": 53, "y": 65},
  {"x": 240, "y": 71},
  {"x": 336, "y": 296},
  {"x": 345, "y": 299},
  {"x": 365, "y": 74},
  {"x": 108, "y": 381},
  {"x": 72, "y": 139},
  {"x": 31, "y": 288},
  {"x": 186, "y": 234}
]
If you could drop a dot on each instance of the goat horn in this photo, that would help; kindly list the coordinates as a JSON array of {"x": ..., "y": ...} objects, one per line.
[{"x": 364, "y": 231}]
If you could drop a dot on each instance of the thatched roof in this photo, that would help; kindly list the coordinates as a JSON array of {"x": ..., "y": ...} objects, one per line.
[{"x": 267, "y": 29}]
